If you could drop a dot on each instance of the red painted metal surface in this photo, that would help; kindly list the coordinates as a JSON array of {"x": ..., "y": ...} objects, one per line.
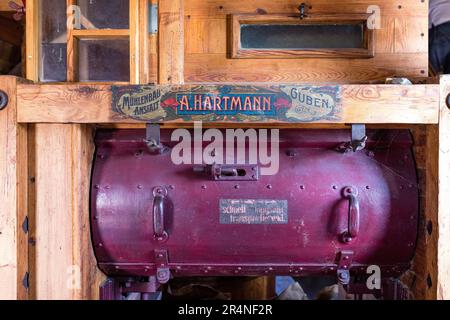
[{"x": 139, "y": 230}]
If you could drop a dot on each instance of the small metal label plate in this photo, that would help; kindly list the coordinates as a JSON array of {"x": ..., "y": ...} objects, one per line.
[{"x": 248, "y": 211}]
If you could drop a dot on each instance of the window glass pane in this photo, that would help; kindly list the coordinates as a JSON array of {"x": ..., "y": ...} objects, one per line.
[
  {"x": 104, "y": 14},
  {"x": 53, "y": 33},
  {"x": 104, "y": 60},
  {"x": 290, "y": 36}
]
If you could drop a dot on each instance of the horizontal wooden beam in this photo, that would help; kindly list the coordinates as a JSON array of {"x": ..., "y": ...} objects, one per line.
[
  {"x": 369, "y": 104},
  {"x": 101, "y": 33}
]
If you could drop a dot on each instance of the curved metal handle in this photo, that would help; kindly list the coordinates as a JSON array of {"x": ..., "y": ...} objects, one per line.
[
  {"x": 159, "y": 194},
  {"x": 351, "y": 194}
]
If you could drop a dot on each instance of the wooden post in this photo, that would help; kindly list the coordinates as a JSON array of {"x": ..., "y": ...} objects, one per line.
[
  {"x": 171, "y": 41},
  {"x": 13, "y": 197},
  {"x": 32, "y": 40},
  {"x": 443, "y": 265},
  {"x": 64, "y": 266}
]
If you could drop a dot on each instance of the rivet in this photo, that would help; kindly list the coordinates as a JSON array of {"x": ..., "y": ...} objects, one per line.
[
  {"x": 335, "y": 187},
  {"x": 172, "y": 187},
  {"x": 269, "y": 186},
  {"x": 236, "y": 186},
  {"x": 302, "y": 187},
  {"x": 97, "y": 186},
  {"x": 368, "y": 187},
  {"x": 204, "y": 187},
  {"x": 139, "y": 186},
  {"x": 100, "y": 244}
]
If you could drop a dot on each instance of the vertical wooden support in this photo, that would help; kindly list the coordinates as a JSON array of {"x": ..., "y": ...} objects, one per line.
[
  {"x": 13, "y": 197},
  {"x": 144, "y": 71},
  {"x": 443, "y": 266},
  {"x": 65, "y": 267},
  {"x": 139, "y": 66},
  {"x": 72, "y": 44},
  {"x": 171, "y": 41},
  {"x": 32, "y": 40},
  {"x": 422, "y": 277}
]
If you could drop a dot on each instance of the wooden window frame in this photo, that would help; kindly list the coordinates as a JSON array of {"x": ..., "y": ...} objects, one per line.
[{"x": 276, "y": 19}]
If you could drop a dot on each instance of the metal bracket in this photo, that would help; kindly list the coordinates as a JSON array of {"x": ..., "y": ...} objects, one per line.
[
  {"x": 358, "y": 140},
  {"x": 162, "y": 266},
  {"x": 153, "y": 139},
  {"x": 343, "y": 269},
  {"x": 152, "y": 18}
]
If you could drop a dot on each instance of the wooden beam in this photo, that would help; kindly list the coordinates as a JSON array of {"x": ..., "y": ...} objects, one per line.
[
  {"x": 101, "y": 33},
  {"x": 32, "y": 40},
  {"x": 4, "y": 5},
  {"x": 443, "y": 265},
  {"x": 370, "y": 104},
  {"x": 171, "y": 41},
  {"x": 143, "y": 41},
  {"x": 13, "y": 197},
  {"x": 72, "y": 44},
  {"x": 63, "y": 259},
  {"x": 134, "y": 34}
]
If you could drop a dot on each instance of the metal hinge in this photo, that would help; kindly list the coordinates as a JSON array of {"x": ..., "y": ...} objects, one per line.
[
  {"x": 26, "y": 225},
  {"x": 152, "y": 18},
  {"x": 26, "y": 280}
]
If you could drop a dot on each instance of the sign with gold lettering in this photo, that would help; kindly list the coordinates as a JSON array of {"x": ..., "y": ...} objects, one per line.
[{"x": 227, "y": 103}]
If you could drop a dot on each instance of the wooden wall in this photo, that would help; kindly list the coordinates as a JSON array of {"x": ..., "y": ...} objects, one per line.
[{"x": 401, "y": 43}]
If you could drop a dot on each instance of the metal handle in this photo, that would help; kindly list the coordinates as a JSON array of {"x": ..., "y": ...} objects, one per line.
[
  {"x": 351, "y": 194},
  {"x": 159, "y": 194}
]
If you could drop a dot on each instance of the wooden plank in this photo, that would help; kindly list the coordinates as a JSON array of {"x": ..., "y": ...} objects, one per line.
[
  {"x": 32, "y": 40},
  {"x": 171, "y": 41},
  {"x": 411, "y": 35},
  {"x": 64, "y": 264},
  {"x": 13, "y": 192},
  {"x": 101, "y": 33},
  {"x": 72, "y": 44},
  {"x": 215, "y": 68},
  {"x": 134, "y": 34},
  {"x": 369, "y": 104},
  {"x": 443, "y": 265},
  {"x": 224, "y": 7},
  {"x": 144, "y": 43}
]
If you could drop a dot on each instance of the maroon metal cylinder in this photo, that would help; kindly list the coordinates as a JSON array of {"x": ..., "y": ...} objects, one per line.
[{"x": 152, "y": 217}]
